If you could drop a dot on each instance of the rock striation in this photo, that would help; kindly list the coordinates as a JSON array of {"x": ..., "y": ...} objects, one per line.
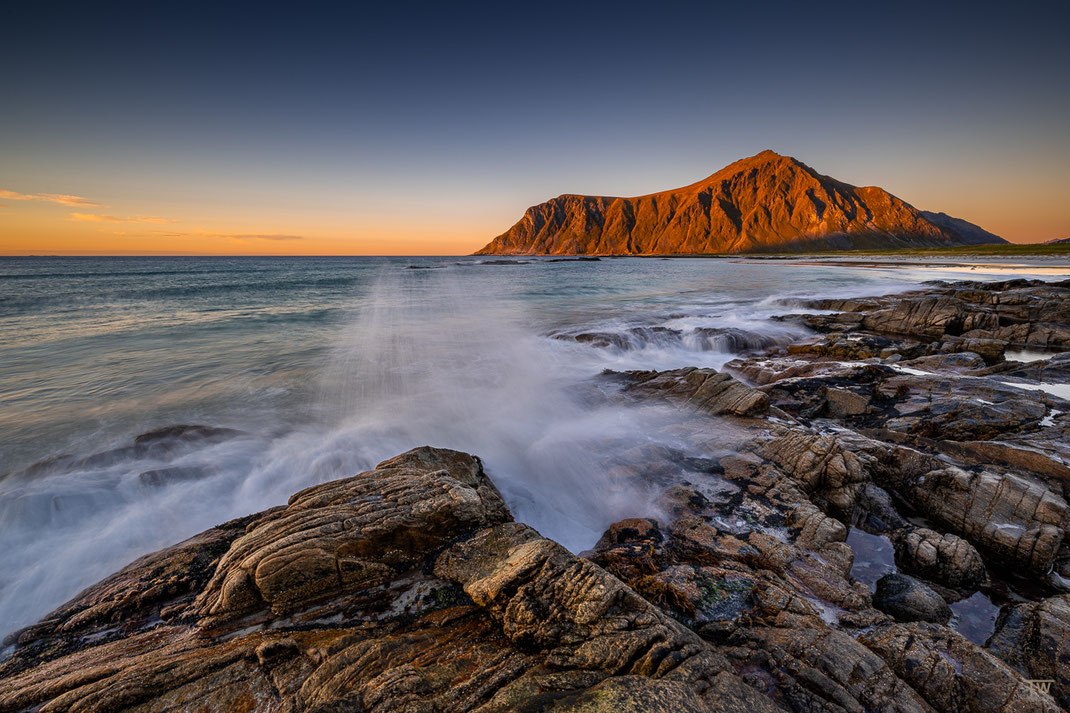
[
  {"x": 411, "y": 588},
  {"x": 762, "y": 203}
]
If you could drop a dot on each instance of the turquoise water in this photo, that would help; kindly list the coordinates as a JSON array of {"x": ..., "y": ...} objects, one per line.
[{"x": 327, "y": 366}]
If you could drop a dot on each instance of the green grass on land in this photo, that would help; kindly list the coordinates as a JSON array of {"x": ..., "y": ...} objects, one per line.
[
  {"x": 1010, "y": 249},
  {"x": 994, "y": 250}
]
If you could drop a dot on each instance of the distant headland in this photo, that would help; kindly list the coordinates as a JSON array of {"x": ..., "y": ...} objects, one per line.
[{"x": 764, "y": 203}]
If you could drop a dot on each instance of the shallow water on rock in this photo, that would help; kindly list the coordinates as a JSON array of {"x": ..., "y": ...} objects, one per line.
[
  {"x": 1027, "y": 355},
  {"x": 975, "y": 617},
  {"x": 1060, "y": 390},
  {"x": 874, "y": 556}
]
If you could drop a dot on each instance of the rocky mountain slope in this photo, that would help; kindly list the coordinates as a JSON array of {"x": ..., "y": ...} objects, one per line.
[
  {"x": 410, "y": 589},
  {"x": 765, "y": 202}
]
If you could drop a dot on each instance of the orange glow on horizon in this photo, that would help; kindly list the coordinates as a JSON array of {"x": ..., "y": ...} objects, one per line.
[
  {"x": 53, "y": 232},
  {"x": 62, "y": 224}
]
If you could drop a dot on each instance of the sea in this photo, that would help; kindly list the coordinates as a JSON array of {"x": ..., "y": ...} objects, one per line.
[{"x": 328, "y": 365}]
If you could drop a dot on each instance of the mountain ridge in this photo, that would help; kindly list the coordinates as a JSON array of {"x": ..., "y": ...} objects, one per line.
[{"x": 762, "y": 203}]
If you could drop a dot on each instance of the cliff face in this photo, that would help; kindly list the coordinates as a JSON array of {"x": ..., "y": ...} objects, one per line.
[{"x": 765, "y": 202}]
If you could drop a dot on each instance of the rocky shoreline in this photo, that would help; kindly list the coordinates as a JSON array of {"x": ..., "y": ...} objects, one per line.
[{"x": 933, "y": 424}]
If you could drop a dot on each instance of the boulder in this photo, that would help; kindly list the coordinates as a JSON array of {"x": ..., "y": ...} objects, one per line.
[
  {"x": 354, "y": 532},
  {"x": 948, "y": 559},
  {"x": 953, "y": 362},
  {"x": 908, "y": 599},
  {"x": 843, "y": 403}
]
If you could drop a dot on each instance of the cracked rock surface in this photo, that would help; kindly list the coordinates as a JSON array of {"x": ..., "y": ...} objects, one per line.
[{"x": 898, "y": 421}]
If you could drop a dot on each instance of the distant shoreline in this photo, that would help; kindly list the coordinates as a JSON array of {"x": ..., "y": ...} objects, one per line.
[
  {"x": 1010, "y": 249},
  {"x": 968, "y": 251}
]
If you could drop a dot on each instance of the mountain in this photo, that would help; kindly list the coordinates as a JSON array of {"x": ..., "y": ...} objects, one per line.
[
  {"x": 969, "y": 234},
  {"x": 767, "y": 202},
  {"x": 1058, "y": 241}
]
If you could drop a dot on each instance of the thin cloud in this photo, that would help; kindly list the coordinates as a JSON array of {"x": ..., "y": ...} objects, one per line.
[
  {"x": 272, "y": 236},
  {"x": 58, "y": 198},
  {"x": 238, "y": 237},
  {"x": 94, "y": 218}
]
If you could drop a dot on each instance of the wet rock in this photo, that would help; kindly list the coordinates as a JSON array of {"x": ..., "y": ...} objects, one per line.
[
  {"x": 934, "y": 406},
  {"x": 1053, "y": 370},
  {"x": 842, "y": 403},
  {"x": 543, "y": 596},
  {"x": 1006, "y": 641},
  {"x": 160, "y": 585},
  {"x": 952, "y": 673},
  {"x": 1030, "y": 313},
  {"x": 1043, "y": 645},
  {"x": 1034, "y": 334},
  {"x": 1017, "y": 521},
  {"x": 597, "y": 339},
  {"x": 925, "y": 316},
  {"x": 632, "y": 549},
  {"x": 704, "y": 389},
  {"x": 699, "y": 339},
  {"x": 186, "y": 432},
  {"x": 849, "y": 346},
  {"x": 164, "y": 443},
  {"x": 945, "y": 559},
  {"x": 353, "y": 532},
  {"x": 729, "y": 339},
  {"x": 908, "y": 599},
  {"x": 820, "y": 464},
  {"x": 1021, "y": 457},
  {"x": 677, "y": 500},
  {"x": 954, "y": 362},
  {"x": 638, "y": 530},
  {"x": 989, "y": 350},
  {"x": 694, "y": 539},
  {"x": 823, "y": 669},
  {"x": 166, "y": 476},
  {"x": 876, "y": 512},
  {"x": 272, "y": 652}
]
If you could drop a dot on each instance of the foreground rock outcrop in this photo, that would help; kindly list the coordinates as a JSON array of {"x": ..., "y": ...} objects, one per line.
[
  {"x": 410, "y": 587},
  {"x": 765, "y": 202},
  {"x": 406, "y": 588}
]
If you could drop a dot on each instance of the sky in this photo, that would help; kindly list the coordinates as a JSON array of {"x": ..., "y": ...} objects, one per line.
[{"x": 410, "y": 128}]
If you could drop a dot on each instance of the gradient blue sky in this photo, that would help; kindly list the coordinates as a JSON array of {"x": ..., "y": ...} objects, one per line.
[{"x": 413, "y": 128}]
